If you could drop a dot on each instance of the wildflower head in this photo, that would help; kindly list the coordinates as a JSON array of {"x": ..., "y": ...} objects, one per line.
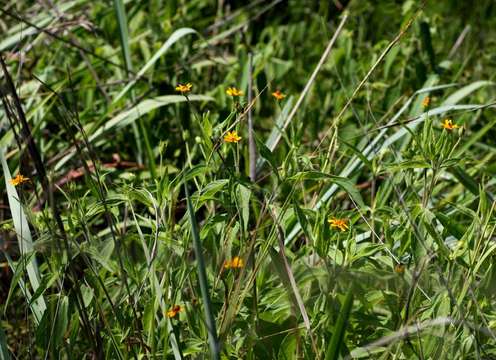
[
  {"x": 278, "y": 95},
  {"x": 232, "y": 137},
  {"x": 173, "y": 311},
  {"x": 448, "y": 124},
  {"x": 426, "y": 102},
  {"x": 234, "y": 92},
  {"x": 399, "y": 268},
  {"x": 235, "y": 263},
  {"x": 184, "y": 88},
  {"x": 19, "y": 180},
  {"x": 341, "y": 224}
]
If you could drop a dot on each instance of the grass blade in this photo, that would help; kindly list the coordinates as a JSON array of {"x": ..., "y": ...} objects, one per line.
[
  {"x": 202, "y": 277},
  {"x": 311, "y": 80},
  {"x": 123, "y": 32},
  {"x": 332, "y": 352},
  {"x": 24, "y": 236},
  {"x": 4, "y": 351},
  {"x": 458, "y": 95},
  {"x": 176, "y": 35},
  {"x": 288, "y": 279}
]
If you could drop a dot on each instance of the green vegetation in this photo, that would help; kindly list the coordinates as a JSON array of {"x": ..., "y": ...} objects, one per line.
[{"x": 351, "y": 214}]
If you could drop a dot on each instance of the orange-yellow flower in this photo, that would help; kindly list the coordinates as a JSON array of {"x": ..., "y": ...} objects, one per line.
[
  {"x": 278, "y": 95},
  {"x": 426, "y": 102},
  {"x": 448, "y": 124},
  {"x": 232, "y": 137},
  {"x": 232, "y": 91},
  {"x": 235, "y": 263},
  {"x": 19, "y": 180},
  {"x": 341, "y": 224},
  {"x": 184, "y": 88},
  {"x": 173, "y": 311},
  {"x": 399, "y": 268}
]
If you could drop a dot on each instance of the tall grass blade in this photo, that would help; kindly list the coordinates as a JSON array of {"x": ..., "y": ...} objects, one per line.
[
  {"x": 123, "y": 32},
  {"x": 334, "y": 347},
  {"x": 126, "y": 53},
  {"x": 24, "y": 237},
  {"x": 202, "y": 277}
]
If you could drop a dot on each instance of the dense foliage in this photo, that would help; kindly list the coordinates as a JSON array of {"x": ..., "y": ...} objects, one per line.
[{"x": 247, "y": 179}]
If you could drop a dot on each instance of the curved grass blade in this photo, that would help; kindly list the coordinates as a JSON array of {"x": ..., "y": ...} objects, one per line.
[
  {"x": 176, "y": 35},
  {"x": 458, "y": 95},
  {"x": 202, "y": 277},
  {"x": 144, "y": 107}
]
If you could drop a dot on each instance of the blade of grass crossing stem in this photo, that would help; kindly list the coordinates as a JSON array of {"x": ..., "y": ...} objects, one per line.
[
  {"x": 202, "y": 277},
  {"x": 332, "y": 352},
  {"x": 24, "y": 235}
]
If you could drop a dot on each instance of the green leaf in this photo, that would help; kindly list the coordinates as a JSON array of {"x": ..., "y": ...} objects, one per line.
[
  {"x": 465, "y": 179},
  {"x": 302, "y": 219},
  {"x": 244, "y": 194},
  {"x": 409, "y": 164},
  {"x": 451, "y": 226},
  {"x": 265, "y": 155},
  {"x": 288, "y": 348}
]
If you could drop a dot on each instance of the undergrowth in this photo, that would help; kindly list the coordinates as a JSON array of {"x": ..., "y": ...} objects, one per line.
[{"x": 247, "y": 180}]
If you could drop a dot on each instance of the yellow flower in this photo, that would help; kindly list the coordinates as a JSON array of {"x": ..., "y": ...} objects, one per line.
[
  {"x": 399, "y": 268},
  {"x": 184, "y": 88},
  {"x": 19, "y": 180},
  {"x": 278, "y": 95},
  {"x": 448, "y": 124},
  {"x": 232, "y": 137},
  {"x": 235, "y": 263},
  {"x": 426, "y": 102},
  {"x": 341, "y": 224},
  {"x": 173, "y": 311},
  {"x": 232, "y": 91}
]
